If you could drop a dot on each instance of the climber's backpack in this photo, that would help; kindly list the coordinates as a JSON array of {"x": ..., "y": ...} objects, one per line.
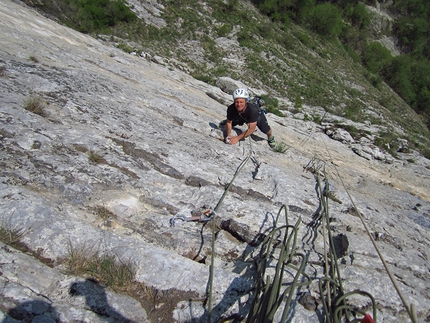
[{"x": 260, "y": 104}]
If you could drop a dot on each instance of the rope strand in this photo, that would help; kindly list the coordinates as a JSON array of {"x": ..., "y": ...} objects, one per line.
[
  {"x": 410, "y": 310},
  {"x": 211, "y": 271}
]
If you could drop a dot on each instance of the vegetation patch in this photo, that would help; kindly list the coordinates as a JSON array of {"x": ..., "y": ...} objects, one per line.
[
  {"x": 107, "y": 269},
  {"x": 110, "y": 271},
  {"x": 95, "y": 157},
  {"x": 388, "y": 142},
  {"x": 12, "y": 235},
  {"x": 36, "y": 105},
  {"x": 103, "y": 213},
  {"x": 281, "y": 147},
  {"x": 33, "y": 59}
]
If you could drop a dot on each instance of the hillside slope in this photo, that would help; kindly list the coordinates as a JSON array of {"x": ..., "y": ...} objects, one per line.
[
  {"x": 290, "y": 63},
  {"x": 121, "y": 133}
]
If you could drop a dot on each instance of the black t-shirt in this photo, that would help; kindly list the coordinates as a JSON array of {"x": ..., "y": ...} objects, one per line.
[{"x": 249, "y": 116}]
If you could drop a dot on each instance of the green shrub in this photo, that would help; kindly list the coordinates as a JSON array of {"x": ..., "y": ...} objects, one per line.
[
  {"x": 353, "y": 111},
  {"x": 426, "y": 153},
  {"x": 316, "y": 118},
  {"x": 304, "y": 38},
  {"x": 203, "y": 77},
  {"x": 231, "y": 6},
  {"x": 399, "y": 76},
  {"x": 245, "y": 38},
  {"x": 358, "y": 15},
  {"x": 421, "y": 86},
  {"x": 125, "y": 48},
  {"x": 286, "y": 40},
  {"x": 224, "y": 30},
  {"x": 411, "y": 32},
  {"x": 326, "y": 20},
  {"x": 298, "y": 103},
  {"x": 272, "y": 104},
  {"x": 374, "y": 79},
  {"x": 220, "y": 70},
  {"x": 88, "y": 16},
  {"x": 387, "y": 141},
  {"x": 376, "y": 57},
  {"x": 353, "y": 131}
]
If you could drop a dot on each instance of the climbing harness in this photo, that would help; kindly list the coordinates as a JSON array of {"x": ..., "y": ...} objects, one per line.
[{"x": 203, "y": 217}]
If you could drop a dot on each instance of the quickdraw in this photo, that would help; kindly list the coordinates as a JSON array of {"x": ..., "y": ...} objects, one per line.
[{"x": 204, "y": 217}]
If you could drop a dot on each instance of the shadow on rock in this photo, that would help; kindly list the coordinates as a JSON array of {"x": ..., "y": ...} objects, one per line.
[
  {"x": 242, "y": 289},
  {"x": 214, "y": 126},
  {"x": 96, "y": 300},
  {"x": 35, "y": 311}
]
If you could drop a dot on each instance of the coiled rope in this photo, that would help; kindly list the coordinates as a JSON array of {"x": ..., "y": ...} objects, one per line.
[
  {"x": 268, "y": 297},
  {"x": 331, "y": 284},
  {"x": 410, "y": 309},
  {"x": 268, "y": 292}
]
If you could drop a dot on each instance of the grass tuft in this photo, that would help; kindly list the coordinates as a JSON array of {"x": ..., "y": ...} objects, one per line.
[
  {"x": 33, "y": 59},
  {"x": 153, "y": 294},
  {"x": 95, "y": 157},
  {"x": 103, "y": 212},
  {"x": 107, "y": 269},
  {"x": 36, "y": 105},
  {"x": 281, "y": 147},
  {"x": 11, "y": 234}
]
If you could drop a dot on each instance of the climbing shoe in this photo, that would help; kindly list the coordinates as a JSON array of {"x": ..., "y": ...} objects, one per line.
[{"x": 271, "y": 142}]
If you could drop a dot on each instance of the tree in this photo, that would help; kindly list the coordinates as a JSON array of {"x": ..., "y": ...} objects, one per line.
[
  {"x": 399, "y": 76},
  {"x": 376, "y": 57},
  {"x": 326, "y": 20},
  {"x": 411, "y": 32},
  {"x": 358, "y": 15},
  {"x": 421, "y": 84}
]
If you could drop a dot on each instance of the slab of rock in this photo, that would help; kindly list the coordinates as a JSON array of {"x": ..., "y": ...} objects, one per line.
[{"x": 125, "y": 144}]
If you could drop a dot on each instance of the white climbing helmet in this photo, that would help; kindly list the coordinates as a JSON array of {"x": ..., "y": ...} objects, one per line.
[{"x": 240, "y": 93}]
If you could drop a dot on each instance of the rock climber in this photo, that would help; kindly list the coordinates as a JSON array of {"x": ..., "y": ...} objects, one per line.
[{"x": 243, "y": 111}]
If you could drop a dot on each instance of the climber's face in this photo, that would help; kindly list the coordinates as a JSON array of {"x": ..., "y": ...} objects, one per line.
[{"x": 240, "y": 104}]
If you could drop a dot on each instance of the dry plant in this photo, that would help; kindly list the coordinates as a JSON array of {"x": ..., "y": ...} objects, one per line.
[
  {"x": 35, "y": 105},
  {"x": 95, "y": 157},
  {"x": 103, "y": 212},
  {"x": 33, "y": 59},
  {"x": 108, "y": 270},
  {"x": 11, "y": 234},
  {"x": 153, "y": 294}
]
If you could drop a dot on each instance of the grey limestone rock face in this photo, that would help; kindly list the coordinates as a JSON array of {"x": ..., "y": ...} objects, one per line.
[{"x": 140, "y": 140}]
